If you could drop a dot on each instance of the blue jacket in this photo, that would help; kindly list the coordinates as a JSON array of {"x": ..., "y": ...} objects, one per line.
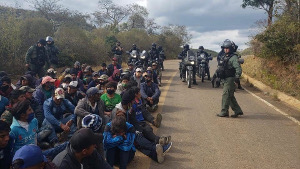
[
  {"x": 39, "y": 94},
  {"x": 150, "y": 91},
  {"x": 21, "y": 135},
  {"x": 53, "y": 113},
  {"x": 5, "y": 162},
  {"x": 110, "y": 142},
  {"x": 3, "y": 102}
]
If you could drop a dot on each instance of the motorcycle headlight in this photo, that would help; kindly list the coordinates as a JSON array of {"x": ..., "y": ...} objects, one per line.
[{"x": 192, "y": 62}]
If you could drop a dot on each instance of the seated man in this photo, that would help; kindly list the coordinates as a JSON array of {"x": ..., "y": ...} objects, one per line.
[
  {"x": 91, "y": 104},
  {"x": 146, "y": 140},
  {"x": 59, "y": 114},
  {"x": 26, "y": 80},
  {"x": 72, "y": 94},
  {"x": 141, "y": 113},
  {"x": 137, "y": 78},
  {"x": 3, "y": 103},
  {"x": 122, "y": 84},
  {"x": 44, "y": 90},
  {"x": 103, "y": 70},
  {"x": 110, "y": 99},
  {"x": 31, "y": 156},
  {"x": 37, "y": 109},
  {"x": 150, "y": 92},
  {"x": 118, "y": 141},
  {"x": 95, "y": 80},
  {"x": 81, "y": 152},
  {"x": 5, "y": 88},
  {"x": 6, "y": 146},
  {"x": 113, "y": 66}
]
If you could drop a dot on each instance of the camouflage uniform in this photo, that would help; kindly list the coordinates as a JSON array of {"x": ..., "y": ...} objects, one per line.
[
  {"x": 233, "y": 71},
  {"x": 36, "y": 58},
  {"x": 52, "y": 53}
]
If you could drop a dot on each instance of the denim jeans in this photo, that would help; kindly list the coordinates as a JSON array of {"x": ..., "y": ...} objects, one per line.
[
  {"x": 146, "y": 147},
  {"x": 118, "y": 156},
  {"x": 56, "y": 129},
  {"x": 52, "y": 152}
]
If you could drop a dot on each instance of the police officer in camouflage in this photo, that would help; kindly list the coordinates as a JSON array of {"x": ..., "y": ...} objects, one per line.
[
  {"x": 230, "y": 74},
  {"x": 52, "y": 52},
  {"x": 36, "y": 58}
]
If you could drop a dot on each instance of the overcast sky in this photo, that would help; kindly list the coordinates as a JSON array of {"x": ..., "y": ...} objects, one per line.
[{"x": 209, "y": 21}]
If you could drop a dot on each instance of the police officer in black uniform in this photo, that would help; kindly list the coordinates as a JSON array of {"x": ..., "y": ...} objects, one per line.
[
  {"x": 182, "y": 55},
  {"x": 201, "y": 51}
]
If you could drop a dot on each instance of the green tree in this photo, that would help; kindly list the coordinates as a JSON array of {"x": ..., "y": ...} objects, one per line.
[{"x": 267, "y": 5}]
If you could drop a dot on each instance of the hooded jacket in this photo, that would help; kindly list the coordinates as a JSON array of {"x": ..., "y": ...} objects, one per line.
[
  {"x": 113, "y": 77},
  {"x": 110, "y": 142}
]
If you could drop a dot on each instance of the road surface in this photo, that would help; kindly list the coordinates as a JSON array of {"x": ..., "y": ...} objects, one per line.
[{"x": 262, "y": 138}]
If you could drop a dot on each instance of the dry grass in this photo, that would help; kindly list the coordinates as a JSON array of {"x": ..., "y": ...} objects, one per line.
[{"x": 285, "y": 78}]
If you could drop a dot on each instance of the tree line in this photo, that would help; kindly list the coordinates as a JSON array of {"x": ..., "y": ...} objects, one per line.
[
  {"x": 87, "y": 38},
  {"x": 280, "y": 39}
]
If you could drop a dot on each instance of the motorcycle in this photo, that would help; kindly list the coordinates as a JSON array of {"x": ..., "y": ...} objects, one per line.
[
  {"x": 143, "y": 60},
  {"x": 202, "y": 65},
  {"x": 133, "y": 56},
  {"x": 161, "y": 57},
  {"x": 189, "y": 62}
]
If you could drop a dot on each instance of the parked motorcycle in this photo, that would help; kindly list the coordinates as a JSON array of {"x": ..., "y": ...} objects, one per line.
[
  {"x": 203, "y": 65},
  {"x": 189, "y": 62}
]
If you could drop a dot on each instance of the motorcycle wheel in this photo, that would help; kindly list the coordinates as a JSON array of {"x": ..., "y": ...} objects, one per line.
[
  {"x": 189, "y": 78},
  {"x": 202, "y": 74}
]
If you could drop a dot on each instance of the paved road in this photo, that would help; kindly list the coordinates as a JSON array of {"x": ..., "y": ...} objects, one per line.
[{"x": 262, "y": 138}]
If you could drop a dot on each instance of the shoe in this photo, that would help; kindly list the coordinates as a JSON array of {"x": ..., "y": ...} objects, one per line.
[
  {"x": 164, "y": 140},
  {"x": 44, "y": 134},
  {"x": 223, "y": 115},
  {"x": 159, "y": 153},
  {"x": 154, "y": 107},
  {"x": 241, "y": 88},
  {"x": 157, "y": 121},
  {"x": 236, "y": 115},
  {"x": 166, "y": 148},
  {"x": 44, "y": 145},
  {"x": 183, "y": 80}
]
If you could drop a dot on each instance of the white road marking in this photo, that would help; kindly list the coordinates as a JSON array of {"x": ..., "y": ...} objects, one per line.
[{"x": 275, "y": 108}]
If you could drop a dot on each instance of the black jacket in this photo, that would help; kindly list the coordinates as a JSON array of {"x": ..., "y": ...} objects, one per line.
[{"x": 94, "y": 161}]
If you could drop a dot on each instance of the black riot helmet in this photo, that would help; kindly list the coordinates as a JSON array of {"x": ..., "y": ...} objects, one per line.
[
  {"x": 229, "y": 44},
  {"x": 153, "y": 45},
  {"x": 134, "y": 46},
  {"x": 186, "y": 47},
  {"x": 201, "y": 47}
]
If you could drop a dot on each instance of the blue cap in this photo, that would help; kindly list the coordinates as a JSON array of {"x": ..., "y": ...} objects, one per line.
[
  {"x": 93, "y": 90},
  {"x": 31, "y": 155}
]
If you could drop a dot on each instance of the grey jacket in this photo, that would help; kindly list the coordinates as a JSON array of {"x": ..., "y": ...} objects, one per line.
[{"x": 83, "y": 108}]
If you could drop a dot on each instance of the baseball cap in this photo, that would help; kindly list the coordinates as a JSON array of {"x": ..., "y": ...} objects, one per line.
[
  {"x": 73, "y": 84},
  {"x": 51, "y": 70},
  {"x": 47, "y": 79},
  {"x": 82, "y": 139},
  {"x": 95, "y": 74},
  {"x": 93, "y": 90},
  {"x": 88, "y": 68},
  {"x": 138, "y": 69},
  {"x": 26, "y": 89},
  {"x": 31, "y": 155},
  {"x": 103, "y": 77},
  {"x": 59, "y": 93},
  {"x": 154, "y": 64}
]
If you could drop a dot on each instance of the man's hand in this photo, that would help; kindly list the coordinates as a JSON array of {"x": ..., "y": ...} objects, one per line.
[
  {"x": 64, "y": 127},
  {"x": 69, "y": 123},
  {"x": 108, "y": 113},
  {"x": 236, "y": 80}
]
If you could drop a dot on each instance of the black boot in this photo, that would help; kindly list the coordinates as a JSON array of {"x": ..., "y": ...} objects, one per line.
[{"x": 194, "y": 82}]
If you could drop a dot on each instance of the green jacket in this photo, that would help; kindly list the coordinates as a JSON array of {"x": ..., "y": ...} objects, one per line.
[
  {"x": 52, "y": 53},
  {"x": 234, "y": 63},
  {"x": 36, "y": 56}
]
